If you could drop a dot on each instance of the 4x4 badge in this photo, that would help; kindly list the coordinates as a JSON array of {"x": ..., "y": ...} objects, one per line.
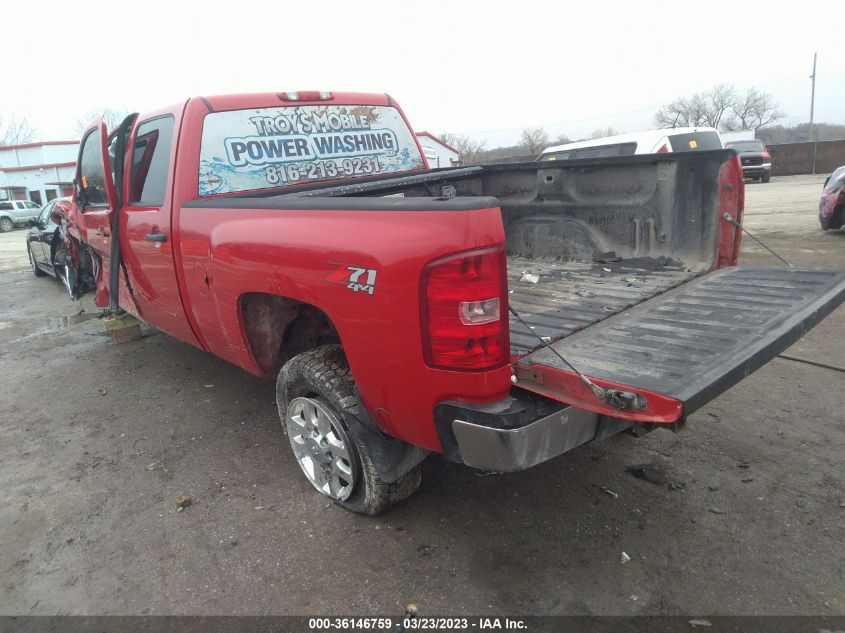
[{"x": 355, "y": 278}]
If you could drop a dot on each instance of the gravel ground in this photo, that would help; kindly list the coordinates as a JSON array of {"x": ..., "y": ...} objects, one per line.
[{"x": 97, "y": 441}]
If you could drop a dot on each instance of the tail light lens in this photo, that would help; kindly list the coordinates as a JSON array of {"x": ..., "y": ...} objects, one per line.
[
  {"x": 664, "y": 149},
  {"x": 464, "y": 310}
]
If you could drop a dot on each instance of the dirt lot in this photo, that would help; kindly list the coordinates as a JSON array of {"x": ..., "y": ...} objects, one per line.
[{"x": 97, "y": 441}]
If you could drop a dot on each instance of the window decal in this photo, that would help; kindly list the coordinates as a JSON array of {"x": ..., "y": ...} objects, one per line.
[{"x": 274, "y": 147}]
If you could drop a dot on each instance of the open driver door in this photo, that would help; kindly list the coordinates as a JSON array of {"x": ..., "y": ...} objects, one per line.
[{"x": 94, "y": 215}]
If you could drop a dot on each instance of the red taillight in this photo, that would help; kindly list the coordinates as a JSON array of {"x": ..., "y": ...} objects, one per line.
[
  {"x": 306, "y": 95},
  {"x": 464, "y": 310},
  {"x": 664, "y": 149},
  {"x": 766, "y": 154}
]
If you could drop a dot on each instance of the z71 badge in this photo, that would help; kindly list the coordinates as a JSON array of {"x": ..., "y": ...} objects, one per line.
[{"x": 355, "y": 278}]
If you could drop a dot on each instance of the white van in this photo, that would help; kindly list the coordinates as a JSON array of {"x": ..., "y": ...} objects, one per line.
[{"x": 679, "y": 139}]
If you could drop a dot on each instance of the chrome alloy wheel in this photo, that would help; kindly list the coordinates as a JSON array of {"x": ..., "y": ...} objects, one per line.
[{"x": 322, "y": 447}]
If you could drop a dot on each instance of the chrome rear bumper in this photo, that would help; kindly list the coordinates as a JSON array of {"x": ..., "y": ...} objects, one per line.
[{"x": 506, "y": 450}]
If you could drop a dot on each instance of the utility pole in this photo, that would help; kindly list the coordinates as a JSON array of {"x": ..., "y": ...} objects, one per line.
[
  {"x": 813, "y": 136},
  {"x": 813, "y": 95}
]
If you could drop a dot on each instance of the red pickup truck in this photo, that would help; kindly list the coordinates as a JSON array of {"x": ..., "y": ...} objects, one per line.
[{"x": 499, "y": 314}]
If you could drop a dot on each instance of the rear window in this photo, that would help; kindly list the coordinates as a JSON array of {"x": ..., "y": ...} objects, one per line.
[
  {"x": 5, "y": 206},
  {"x": 746, "y": 146},
  {"x": 557, "y": 156},
  {"x": 605, "y": 151},
  {"x": 602, "y": 151},
  {"x": 695, "y": 141},
  {"x": 274, "y": 147}
]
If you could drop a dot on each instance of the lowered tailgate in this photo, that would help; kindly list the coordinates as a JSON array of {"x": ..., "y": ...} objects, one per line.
[{"x": 681, "y": 349}]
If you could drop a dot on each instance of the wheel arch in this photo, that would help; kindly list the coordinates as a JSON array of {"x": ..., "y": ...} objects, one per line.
[{"x": 277, "y": 328}]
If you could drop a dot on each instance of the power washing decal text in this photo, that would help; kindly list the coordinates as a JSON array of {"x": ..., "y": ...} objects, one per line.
[{"x": 270, "y": 147}]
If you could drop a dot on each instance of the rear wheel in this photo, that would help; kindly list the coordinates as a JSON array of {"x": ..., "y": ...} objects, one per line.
[
  {"x": 318, "y": 409},
  {"x": 35, "y": 269},
  {"x": 6, "y": 225}
]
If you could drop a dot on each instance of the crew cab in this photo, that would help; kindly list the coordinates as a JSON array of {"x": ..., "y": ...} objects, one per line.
[{"x": 501, "y": 315}]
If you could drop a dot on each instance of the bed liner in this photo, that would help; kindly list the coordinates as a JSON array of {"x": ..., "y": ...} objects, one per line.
[{"x": 569, "y": 296}]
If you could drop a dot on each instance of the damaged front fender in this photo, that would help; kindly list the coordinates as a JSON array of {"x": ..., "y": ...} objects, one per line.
[{"x": 73, "y": 261}]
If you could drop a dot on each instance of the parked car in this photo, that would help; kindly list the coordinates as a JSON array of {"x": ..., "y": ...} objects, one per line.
[
  {"x": 300, "y": 235},
  {"x": 756, "y": 160},
  {"x": 832, "y": 204},
  {"x": 679, "y": 139},
  {"x": 44, "y": 240},
  {"x": 16, "y": 213}
]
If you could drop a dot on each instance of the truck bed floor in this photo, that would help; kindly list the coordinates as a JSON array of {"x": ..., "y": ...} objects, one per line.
[{"x": 570, "y": 296}]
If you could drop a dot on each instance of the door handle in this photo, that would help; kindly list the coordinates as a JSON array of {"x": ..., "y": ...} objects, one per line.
[{"x": 155, "y": 237}]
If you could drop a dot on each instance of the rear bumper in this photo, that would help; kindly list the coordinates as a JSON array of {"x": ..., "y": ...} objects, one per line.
[{"x": 518, "y": 432}]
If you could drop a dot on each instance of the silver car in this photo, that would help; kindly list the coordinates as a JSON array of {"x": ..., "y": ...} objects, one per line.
[{"x": 16, "y": 213}]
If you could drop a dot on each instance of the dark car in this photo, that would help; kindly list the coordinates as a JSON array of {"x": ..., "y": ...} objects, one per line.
[
  {"x": 44, "y": 241},
  {"x": 756, "y": 160},
  {"x": 832, "y": 204}
]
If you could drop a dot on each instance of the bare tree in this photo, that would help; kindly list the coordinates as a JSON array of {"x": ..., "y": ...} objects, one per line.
[
  {"x": 718, "y": 100},
  {"x": 470, "y": 151},
  {"x": 16, "y": 131},
  {"x": 755, "y": 109},
  {"x": 603, "y": 132},
  {"x": 720, "y": 107},
  {"x": 112, "y": 117},
  {"x": 682, "y": 112},
  {"x": 562, "y": 139},
  {"x": 701, "y": 109},
  {"x": 449, "y": 139},
  {"x": 535, "y": 140}
]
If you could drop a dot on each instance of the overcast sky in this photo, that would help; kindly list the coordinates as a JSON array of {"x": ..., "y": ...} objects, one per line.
[{"x": 486, "y": 69}]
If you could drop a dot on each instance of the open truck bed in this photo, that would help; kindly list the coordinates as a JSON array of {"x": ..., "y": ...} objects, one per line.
[
  {"x": 612, "y": 262},
  {"x": 616, "y": 263},
  {"x": 585, "y": 239}
]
